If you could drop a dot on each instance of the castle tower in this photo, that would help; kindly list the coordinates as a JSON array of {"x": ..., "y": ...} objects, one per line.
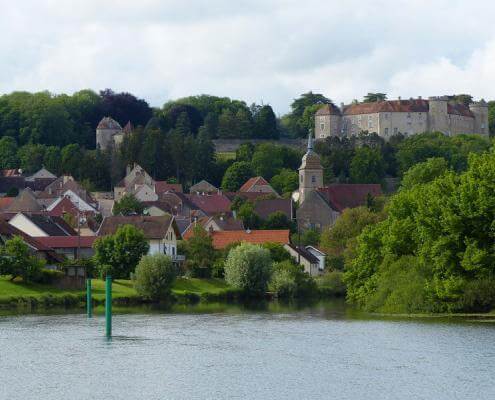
[
  {"x": 480, "y": 111},
  {"x": 328, "y": 121},
  {"x": 310, "y": 172},
  {"x": 438, "y": 117},
  {"x": 105, "y": 132}
]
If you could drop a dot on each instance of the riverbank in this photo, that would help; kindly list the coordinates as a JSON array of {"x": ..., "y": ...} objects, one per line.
[{"x": 185, "y": 290}]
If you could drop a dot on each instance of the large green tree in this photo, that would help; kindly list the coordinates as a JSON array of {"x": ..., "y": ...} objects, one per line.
[{"x": 117, "y": 255}]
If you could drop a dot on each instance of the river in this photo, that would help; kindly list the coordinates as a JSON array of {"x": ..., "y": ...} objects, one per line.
[{"x": 226, "y": 352}]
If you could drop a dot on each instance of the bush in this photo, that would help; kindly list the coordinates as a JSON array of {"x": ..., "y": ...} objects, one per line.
[
  {"x": 290, "y": 280},
  {"x": 248, "y": 268},
  {"x": 48, "y": 276},
  {"x": 16, "y": 260},
  {"x": 154, "y": 277},
  {"x": 332, "y": 284}
]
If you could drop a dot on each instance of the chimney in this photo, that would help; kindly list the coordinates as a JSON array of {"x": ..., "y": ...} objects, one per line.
[{"x": 399, "y": 98}]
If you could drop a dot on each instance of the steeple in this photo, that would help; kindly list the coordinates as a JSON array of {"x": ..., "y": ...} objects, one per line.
[
  {"x": 310, "y": 172},
  {"x": 310, "y": 142}
]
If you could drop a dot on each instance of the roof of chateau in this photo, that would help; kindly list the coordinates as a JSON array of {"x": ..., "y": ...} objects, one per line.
[
  {"x": 108, "y": 123},
  {"x": 411, "y": 105}
]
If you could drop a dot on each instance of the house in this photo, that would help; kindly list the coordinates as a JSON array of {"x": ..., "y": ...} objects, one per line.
[
  {"x": 43, "y": 173},
  {"x": 264, "y": 207},
  {"x": 25, "y": 202},
  {"x": 211, "y": 204},
  {"x": 37, "y": 248},
  {"x": 37, "y": 225},
  {"x": 320, "y": 255},
  {"x": 203, "y": 187},
  {"x": 214, "y": 224},
  {"x": 310, "y": 262},
  {"x": 161, "y": 232},
  {"x": 135, "y": 177},
  {"x": 321, "y": 206},
  {"x": 164, "y": 186},
  {"x": 257, "y": 184},
  {"x": 145, "y": 192},
  {"x": 11, "y": 172},
  {"x": 70, "y": 247},
  {"x": 73, "y": 201},
  {"x": 222, "y": 239}
]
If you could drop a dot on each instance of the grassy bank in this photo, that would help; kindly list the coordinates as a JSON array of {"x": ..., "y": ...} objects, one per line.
[{"x": 15, "y": 294}]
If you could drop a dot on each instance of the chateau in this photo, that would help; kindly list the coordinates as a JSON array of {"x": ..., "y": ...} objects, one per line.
[
  {"x": 109, "y": 133},
  {"x": 408, "y": 117}
]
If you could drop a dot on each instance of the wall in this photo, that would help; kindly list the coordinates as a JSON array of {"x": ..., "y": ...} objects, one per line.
[{"x": 231, "y": 145}]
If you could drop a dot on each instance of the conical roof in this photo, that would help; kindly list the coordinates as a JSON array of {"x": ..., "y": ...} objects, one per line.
[
  {"x": 25, "y": 202},
  {"x": 108, "y": 123},
  {"x": 310, "y": 160}
]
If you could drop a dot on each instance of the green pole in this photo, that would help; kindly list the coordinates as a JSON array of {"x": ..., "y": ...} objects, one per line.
[
  {"x": 108, "y": 306},
  {"x": 89, "y": 302}
]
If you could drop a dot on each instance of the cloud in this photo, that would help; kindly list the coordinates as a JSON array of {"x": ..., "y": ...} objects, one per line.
[{"x": 252, "y": 50}]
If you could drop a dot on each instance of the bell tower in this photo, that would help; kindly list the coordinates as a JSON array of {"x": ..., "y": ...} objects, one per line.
[{"x": 310, "y": 171}]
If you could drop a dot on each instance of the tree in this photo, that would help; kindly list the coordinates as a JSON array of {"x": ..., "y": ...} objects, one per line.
[
  {"x": 124, "y": 107},
  {"x": 244, "y": 124},
  {"x": 8, "y": 153},
  {"x": 128, "y": 205},
  {"x": 71, "y": 160},
  {"x": 491, "y": 117},
  {"x": 52, "y": 159},
  {"x": 117, "y": 255},
  {"x": 249, "y": 218},
  {"x": 248, "y": 268},
  {"x": 424, "y": 172},
  {"x": 289, "y": 280},
  {"x": 294, "y": 122},
  {"x": 367, "y": 166},
  {"x": 227, "y": 125},
  {"x": 267, "y": 160},
  {"x": 200, "y": 253},
  {"x": 278, "y": 220},
  {"x": 31, "y": 157},
  {"x": 236, "y": 175},
  {"x": 16, "y": 261},
  {"x": 286, "y": 181},
  {"x": 265, "y": 123},
  {"x": 374, "y": 97},
  {"x": 154, "y": 277},
  {"x": 310, "y": 237},
  {"x": 244, "y": 152}
]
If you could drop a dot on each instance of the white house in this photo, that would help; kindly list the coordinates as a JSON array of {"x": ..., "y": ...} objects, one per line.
[{"x": 161, "y": 232}]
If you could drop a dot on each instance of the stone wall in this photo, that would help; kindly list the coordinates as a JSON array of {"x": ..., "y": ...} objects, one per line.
[{"x": 231, "y": 145}]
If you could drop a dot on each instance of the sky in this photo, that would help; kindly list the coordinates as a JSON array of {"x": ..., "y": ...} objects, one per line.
[{"x": 266, "y": 51}]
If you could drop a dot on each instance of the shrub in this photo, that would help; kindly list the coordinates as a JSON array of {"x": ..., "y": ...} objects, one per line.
[
  {"x": 154, "y": 277},
  {"x": 49, "y": 276},
  {"x": 248, "y": 268},
  {"x": 332, "y": 284},
  {"x": 15, "y": 260},
  {"x": 290, "y": 280}
]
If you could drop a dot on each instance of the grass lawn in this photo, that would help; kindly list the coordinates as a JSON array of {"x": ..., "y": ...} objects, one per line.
[
  {"x": 121, "y": 288},
  {"x": 229, "y": 155}
]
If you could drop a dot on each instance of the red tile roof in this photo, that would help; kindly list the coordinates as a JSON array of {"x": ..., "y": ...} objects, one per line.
[
  {"x": 64, "y": 206},
  {"x": 164, "y": 186},
  {"x": 222, "y": 239},
  {"x": 342, "y": 196},
  {"x": 257, "y": 180},
  {"x": 59, "y": 242},
  {"x": 211, "y": 204},
  {"x": 265, "y": 207},
  {"x": 412, "y": 105},
  {"x": 328, "y": 109},
  {"x": 5, "y": 202}
]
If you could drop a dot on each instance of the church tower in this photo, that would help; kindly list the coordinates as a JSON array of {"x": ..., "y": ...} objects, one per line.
[{"x": 310, "y": 172}]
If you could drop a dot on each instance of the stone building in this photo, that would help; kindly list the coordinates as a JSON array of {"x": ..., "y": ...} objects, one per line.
[
  {"x": 408, "y": 117},
  {"x": 109, "y": 133},
  {"x": 320, "y": 206}
]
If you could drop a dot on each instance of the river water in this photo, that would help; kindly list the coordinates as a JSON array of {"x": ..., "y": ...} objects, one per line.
[{"x": 318, "y": 352}]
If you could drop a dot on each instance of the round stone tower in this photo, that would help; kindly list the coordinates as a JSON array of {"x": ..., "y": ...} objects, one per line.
[
  {"x": 310, "y": 172},
  {"x": 105, "y": 131}
]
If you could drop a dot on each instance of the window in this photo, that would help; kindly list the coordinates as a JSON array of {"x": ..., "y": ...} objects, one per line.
[
  {"x": 301, "y": 179},
  {"x": 395, "y": 131},
  {"x": 408, "y": 115},
  {"x": 386, "y": 131},
  {"x": 313, "y": 179},
  {"x": 386, "y": 115},
  {"x": 322, "y": 127}
]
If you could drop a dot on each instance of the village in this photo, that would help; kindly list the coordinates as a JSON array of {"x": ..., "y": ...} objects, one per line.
[{"x": 60, "y": 220}]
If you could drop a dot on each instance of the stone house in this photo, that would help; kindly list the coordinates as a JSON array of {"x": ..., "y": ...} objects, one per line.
[
  {"x": 203, "y": 187},
  {"x": 408, "y": 117},
  {"x": 257, "y": 184},
  {"x": 311, "y": 263}
]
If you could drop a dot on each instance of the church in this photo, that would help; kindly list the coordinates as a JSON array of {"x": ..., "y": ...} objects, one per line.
[{"x": 319, "y": 205}]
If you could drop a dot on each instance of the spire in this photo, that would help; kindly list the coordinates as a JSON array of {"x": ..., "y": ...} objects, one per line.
[{"x": 310, "y": 142}]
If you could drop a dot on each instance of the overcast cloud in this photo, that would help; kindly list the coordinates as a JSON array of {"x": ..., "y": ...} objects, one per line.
[{"x": 268, "y": 51}]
